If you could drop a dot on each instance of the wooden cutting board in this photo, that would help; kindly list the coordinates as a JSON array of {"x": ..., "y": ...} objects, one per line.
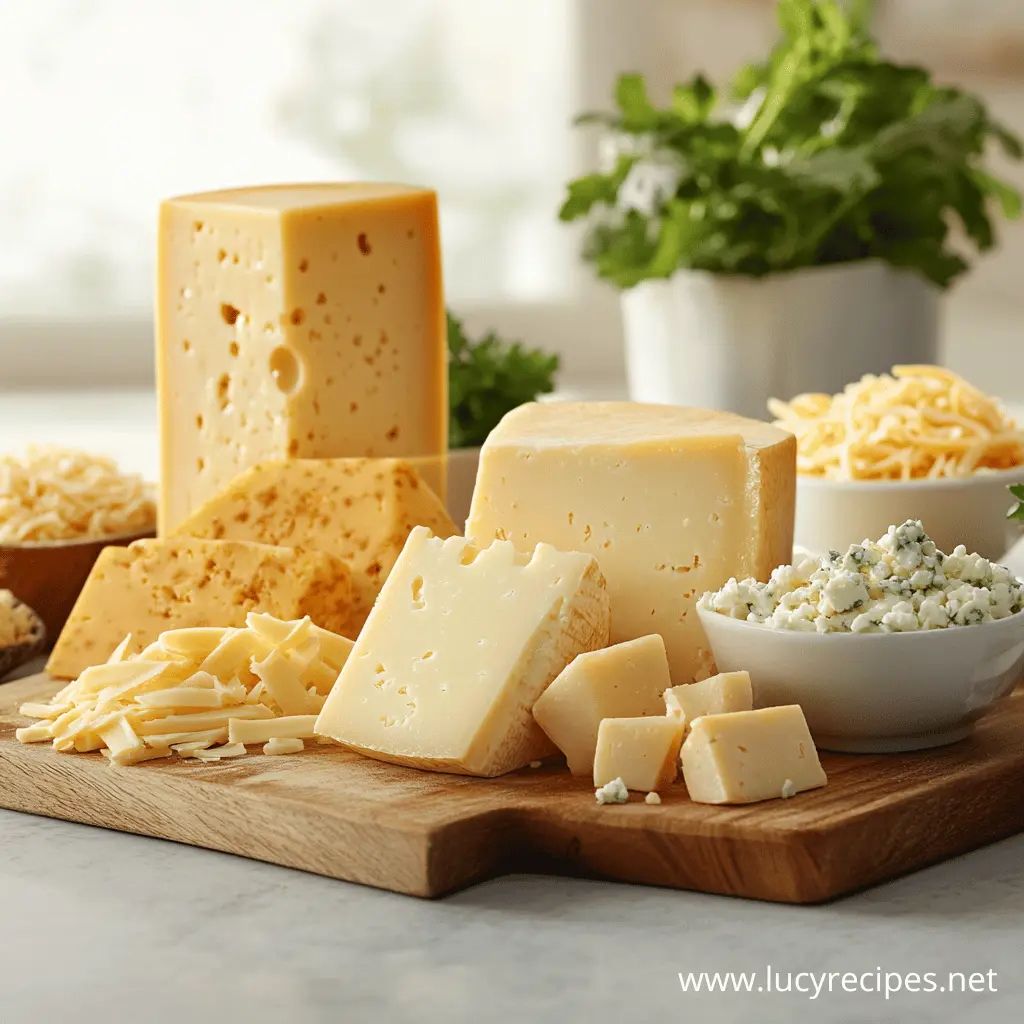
[{"x": 426, "y": 834}]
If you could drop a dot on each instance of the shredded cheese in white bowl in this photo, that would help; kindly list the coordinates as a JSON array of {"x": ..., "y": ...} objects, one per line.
[{"x": 59, "y": 494}]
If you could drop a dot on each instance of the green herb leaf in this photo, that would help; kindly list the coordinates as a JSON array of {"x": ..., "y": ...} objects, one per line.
[
  {"x": 488, "y": 378},
  {"x": 1017, "y": 512},
  {"x": 848, "y": 157}
]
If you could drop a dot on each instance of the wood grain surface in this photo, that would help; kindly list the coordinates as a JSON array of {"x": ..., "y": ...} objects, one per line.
[{"x": 342, "y": 815}]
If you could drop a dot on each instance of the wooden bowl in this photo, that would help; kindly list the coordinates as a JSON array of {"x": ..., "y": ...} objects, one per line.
[
  {"x": 15, "y": 656},
  {"x": 49, "y": 576}
]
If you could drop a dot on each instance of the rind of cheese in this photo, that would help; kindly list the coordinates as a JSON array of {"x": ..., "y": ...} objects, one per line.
[
  {"x": 296, "y": 321},
  {"x": 623, "y": 681},
  {"x": 169, "y": 702},
  {"x": 718, "y": 695},
  {"x": 153, "y": 586},
  {"x": 458, "y": 648},
  {"x": 361, "y": 510},
  {"x": 747, "y": 756},
  {"x": 671, "y": 501},
  {"x": 643, "y": 752}
]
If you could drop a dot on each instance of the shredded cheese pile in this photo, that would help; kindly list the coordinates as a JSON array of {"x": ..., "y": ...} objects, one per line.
[
  {"x": 194, "y": 688},
  {"x": 919, "y": 422},
  {"x": 55, "y": 494},
  {"x": 18, "y": 623}
]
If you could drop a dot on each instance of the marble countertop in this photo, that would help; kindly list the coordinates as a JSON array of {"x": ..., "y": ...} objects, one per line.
[{"x": 106, "y": 927}]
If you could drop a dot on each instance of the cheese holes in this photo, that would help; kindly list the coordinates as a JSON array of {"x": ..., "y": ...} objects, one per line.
[
  {"x": 417, "y": 592},
  {"x": 364, "y": 244},
  {"x": 186, "y": 345},
  {"x": 297, "y": 317},
  {"x": 321, "y": 299},
  {"x": 221, "y": 255},
  {"x": 303, "y": 266},
  {"x": 233, "y": 348},
  {"x": 285, "y": 369},
  {"x": 199, "y": 422},
  {"x": 223, "y": 391},
  {"x": 228, "y": 313}
]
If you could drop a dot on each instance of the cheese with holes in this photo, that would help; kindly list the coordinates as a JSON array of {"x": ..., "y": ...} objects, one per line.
[
  {"x": 643, "y": 752},
  {"x": 301, "y": 321},
  {"x": 361, "y": 510},
  {"x": 156, "y": 585},
  {"x": 747, "y": 756},
  {"x": 728, "y": 691},
  {"x": 458, "y": 648},
  {"x": 623, "y": 681},
  {"x": 671, "y": 501}
]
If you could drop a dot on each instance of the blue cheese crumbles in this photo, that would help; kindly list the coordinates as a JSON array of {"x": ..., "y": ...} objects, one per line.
[{"x": 899, "y": 584}]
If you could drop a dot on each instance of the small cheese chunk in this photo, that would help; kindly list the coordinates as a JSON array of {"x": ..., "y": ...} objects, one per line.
[
  {"x": 643, "y": 752},
  {"x": 458, "y": 648},
  {"x": 747, "y": 756},
  {"x": 624, "y": 681},
  {"x": 652, "y": 798},
  {"x": 358, "y": 509},
  {"x": 613, "y": 792},
  {"x": 156, "y": 585},
  {"x": 728, "y": 691},
  {"x": 671, "y": 501},
  {"x": 283, "y": 745},
  {"x": 296, "y": 321}
]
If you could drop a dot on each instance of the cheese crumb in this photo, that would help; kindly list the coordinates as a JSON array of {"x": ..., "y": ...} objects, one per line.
[
  {"x": 613, "y": 792},
  {"x": 652, "y": 798},
  {"x": 788, "y": 789}
]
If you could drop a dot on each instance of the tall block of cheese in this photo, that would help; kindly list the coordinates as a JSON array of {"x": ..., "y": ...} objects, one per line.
[
  {"x": 671, "y": 501},
  {"x": 458, "y": 648},
  {"x": 623, "y": 681},
  {"x": 361, "y": 510},
  {"x": 300, "y": 321},
  {"x": 153, "y": 586}
]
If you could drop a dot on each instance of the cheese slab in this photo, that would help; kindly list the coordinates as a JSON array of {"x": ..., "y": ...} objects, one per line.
[
  {"x": 671, "y": 501},
  {"x": 156, "y": 585},
  {"x": 626, "y": 680},
  {"x": 458, "y": 648},
  {"x": 747, "y": 756},
  {"x": 361, "y": 510},
  {"x": 296, "y": 321},
  {"x": 643, "y": 752},
  {"x": 725, "y": 692}
]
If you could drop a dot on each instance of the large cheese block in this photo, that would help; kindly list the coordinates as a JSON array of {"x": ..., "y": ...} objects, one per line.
[
  {"x": 156, "y": 585},
  {"x": 623, "y": 681},
  {"x": 671, "y": 501},
  {"x": 747, "y": 756},
  {"x": 457, "y": 649},
  {"x": 361, "y": 510},
  {"x": 300, "y": 321}
]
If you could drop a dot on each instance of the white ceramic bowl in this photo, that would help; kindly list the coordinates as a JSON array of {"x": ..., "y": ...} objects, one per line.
[
  {"x": 876, "y": 692},
  {"x": 832, "y": 514}
]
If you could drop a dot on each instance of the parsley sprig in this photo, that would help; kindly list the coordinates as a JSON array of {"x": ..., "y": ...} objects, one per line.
[
  {"x": 1017, "y": 512},
  {"x": 488, "y": 378},
  {"x": 843, "y": 156}
]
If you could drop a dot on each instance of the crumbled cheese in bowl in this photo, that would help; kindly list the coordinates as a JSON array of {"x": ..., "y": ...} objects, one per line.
[
  {"x": 18, "y": 623},
  {"x": 898, "y": 584}
]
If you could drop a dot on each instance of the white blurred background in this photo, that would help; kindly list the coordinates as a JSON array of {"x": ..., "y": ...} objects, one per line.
[{"x": 110, "y": 105}]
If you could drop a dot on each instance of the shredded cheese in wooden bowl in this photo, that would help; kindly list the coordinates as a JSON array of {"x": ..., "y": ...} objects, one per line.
[
  {"x": 59, "y": 494},
  {"x": 919, "y": 422},
  {"x": 18, "y": 623}
]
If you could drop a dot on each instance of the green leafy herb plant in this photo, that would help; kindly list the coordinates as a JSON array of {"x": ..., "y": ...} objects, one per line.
[
  {"x": 837, "y": 155},
  {"x": 488, "y": 378}
]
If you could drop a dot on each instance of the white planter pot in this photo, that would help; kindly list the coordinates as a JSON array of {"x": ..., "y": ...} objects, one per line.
[{"x": 731, "y": 343}]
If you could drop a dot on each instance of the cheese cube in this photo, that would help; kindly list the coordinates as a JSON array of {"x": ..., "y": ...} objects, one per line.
[
  {"x": 643, "y": 752},
  {"x": 157, "y": 585},
  {"x": 747, "y": 756},
  {"x": 296, "y": 321},
  {"x": 458, "y": 648},
  {"x": 671, "y": 501},
  {"x": 623, "y": 681},
  {"x": 361, "y": 510},
  {"x": 728, "y": 691}
]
